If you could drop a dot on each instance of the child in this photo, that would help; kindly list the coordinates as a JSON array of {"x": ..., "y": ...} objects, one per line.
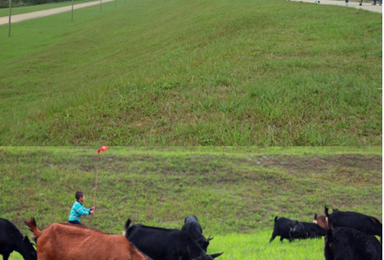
[{"x": 78, "y": 209}]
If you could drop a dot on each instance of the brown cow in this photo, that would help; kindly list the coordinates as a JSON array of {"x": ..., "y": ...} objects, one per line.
[
  {"x": 322, "y": 221},
  {"x": 62, "y": 241}
]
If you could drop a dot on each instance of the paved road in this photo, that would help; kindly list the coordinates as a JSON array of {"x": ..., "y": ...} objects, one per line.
[
  {"x": 366, "y": 6},
  {"x": 33, "y": 15}
]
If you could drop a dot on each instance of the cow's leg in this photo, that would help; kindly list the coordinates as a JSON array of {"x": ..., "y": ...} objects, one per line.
[
  {"x": 273, "y": 237},
  {"x": 281, "y": 239},
  {"x": 6, "y": 256},
  {"x": 361, "y": 2}
]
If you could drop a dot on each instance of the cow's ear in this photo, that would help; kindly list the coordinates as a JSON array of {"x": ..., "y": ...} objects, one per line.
[
  {"x": 373, "y": 220},
  {"x": 25, "y": 240}
]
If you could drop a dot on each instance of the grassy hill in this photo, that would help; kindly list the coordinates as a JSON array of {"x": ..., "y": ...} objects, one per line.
[
  {"x": 235, "y": 192},
  {"x": 202, "y": 72}
]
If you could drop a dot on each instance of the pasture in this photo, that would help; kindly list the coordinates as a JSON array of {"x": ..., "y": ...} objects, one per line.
[
  {"x": 203, "y": 72},
  {"x": 235, "y": 192}
]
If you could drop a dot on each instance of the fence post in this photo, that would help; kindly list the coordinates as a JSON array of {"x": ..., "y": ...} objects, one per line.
[
  {"x": 10, "y": 13},
  {"x": 72, "y": 12}
]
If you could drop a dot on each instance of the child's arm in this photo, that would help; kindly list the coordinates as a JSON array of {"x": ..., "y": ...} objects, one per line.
[{"x": 82, "y": 210}]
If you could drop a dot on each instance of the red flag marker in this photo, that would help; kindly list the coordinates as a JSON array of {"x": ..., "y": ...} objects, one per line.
[{"x": 104, "y": 148}]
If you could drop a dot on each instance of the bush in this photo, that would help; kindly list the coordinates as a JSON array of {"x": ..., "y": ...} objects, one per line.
[{"x": 5, "y": 4}]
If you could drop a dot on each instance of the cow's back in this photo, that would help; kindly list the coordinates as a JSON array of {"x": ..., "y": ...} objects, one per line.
[
  {"x": 8, "y": 230},
  {"x": 62, "y": 241},
  {"x": 162, "y": 244},
  {"x": 284, "y": 224},
  {"x": 150, "y": 242},
  {"x": 9, "y": 236},
  {"x": 358, "y": 221},
  {"x": 314, "y": 229}
]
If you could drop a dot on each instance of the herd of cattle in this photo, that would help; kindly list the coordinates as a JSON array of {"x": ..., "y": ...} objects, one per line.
[
  {"x": 64, "y": 241},
  {"x": 348, "y": 235}
]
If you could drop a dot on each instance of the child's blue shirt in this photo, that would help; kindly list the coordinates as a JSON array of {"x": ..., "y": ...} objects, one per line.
[{"x": 77, "y": 211}]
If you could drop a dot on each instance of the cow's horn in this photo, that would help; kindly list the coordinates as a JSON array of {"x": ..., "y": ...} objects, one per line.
[
  {"x": 216, "y": 255},
  {"x": 209, "y": 238}
]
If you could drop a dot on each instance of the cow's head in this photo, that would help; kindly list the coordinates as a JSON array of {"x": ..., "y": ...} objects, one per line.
[
  {"x": 297, "y": 230},
  {"x": 27, "y": 249},
  {"x": 190, "y": 219},
  {"x": 204, "y": 242},
  {"x": 315, "y": 219},
  {"x": 322, "y": 221}
]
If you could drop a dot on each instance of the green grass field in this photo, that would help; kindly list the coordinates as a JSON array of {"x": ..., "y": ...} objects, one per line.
[
  {"x": 171, "y": 72},
  {"x": 235, "y": 192}
]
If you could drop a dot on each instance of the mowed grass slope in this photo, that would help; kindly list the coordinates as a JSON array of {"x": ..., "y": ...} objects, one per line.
[
  {"x": 235, "y": 192},
  {"x": 170, "y": 72}
]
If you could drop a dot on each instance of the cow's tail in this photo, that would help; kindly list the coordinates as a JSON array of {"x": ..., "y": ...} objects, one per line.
[
  {"x": 126, "y": 227},
  {"x": 31, "y": 223},
  {"x": 127, "y": 223}
]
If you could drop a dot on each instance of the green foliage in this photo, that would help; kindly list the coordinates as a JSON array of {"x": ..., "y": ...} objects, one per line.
[
  {"x": 194, "y": 73},
  {"x": 235, "y": 192}
]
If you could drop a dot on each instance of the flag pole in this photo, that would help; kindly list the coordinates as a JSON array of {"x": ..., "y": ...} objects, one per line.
[
  {"x": 97, "y": 176},
  {"x": 104, "y": 148},
  {"x": 10, "y": 14},
  {"x": 72, "y": 12}
]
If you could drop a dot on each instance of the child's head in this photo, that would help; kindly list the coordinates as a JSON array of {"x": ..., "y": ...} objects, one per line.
[{"x": 79, "y": 195}]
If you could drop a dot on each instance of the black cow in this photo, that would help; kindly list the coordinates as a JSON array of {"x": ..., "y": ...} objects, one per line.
[
  {"x": 165, "y": 244},
  {"x": 363, "y": 223},
  {"x": 350, "y": 244},
  {"x": 193, "y": 228},
  {"x": 12, "y": 240},
  {"x": 281, "y": 228},
  {"x": 303, "y": 230}
]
